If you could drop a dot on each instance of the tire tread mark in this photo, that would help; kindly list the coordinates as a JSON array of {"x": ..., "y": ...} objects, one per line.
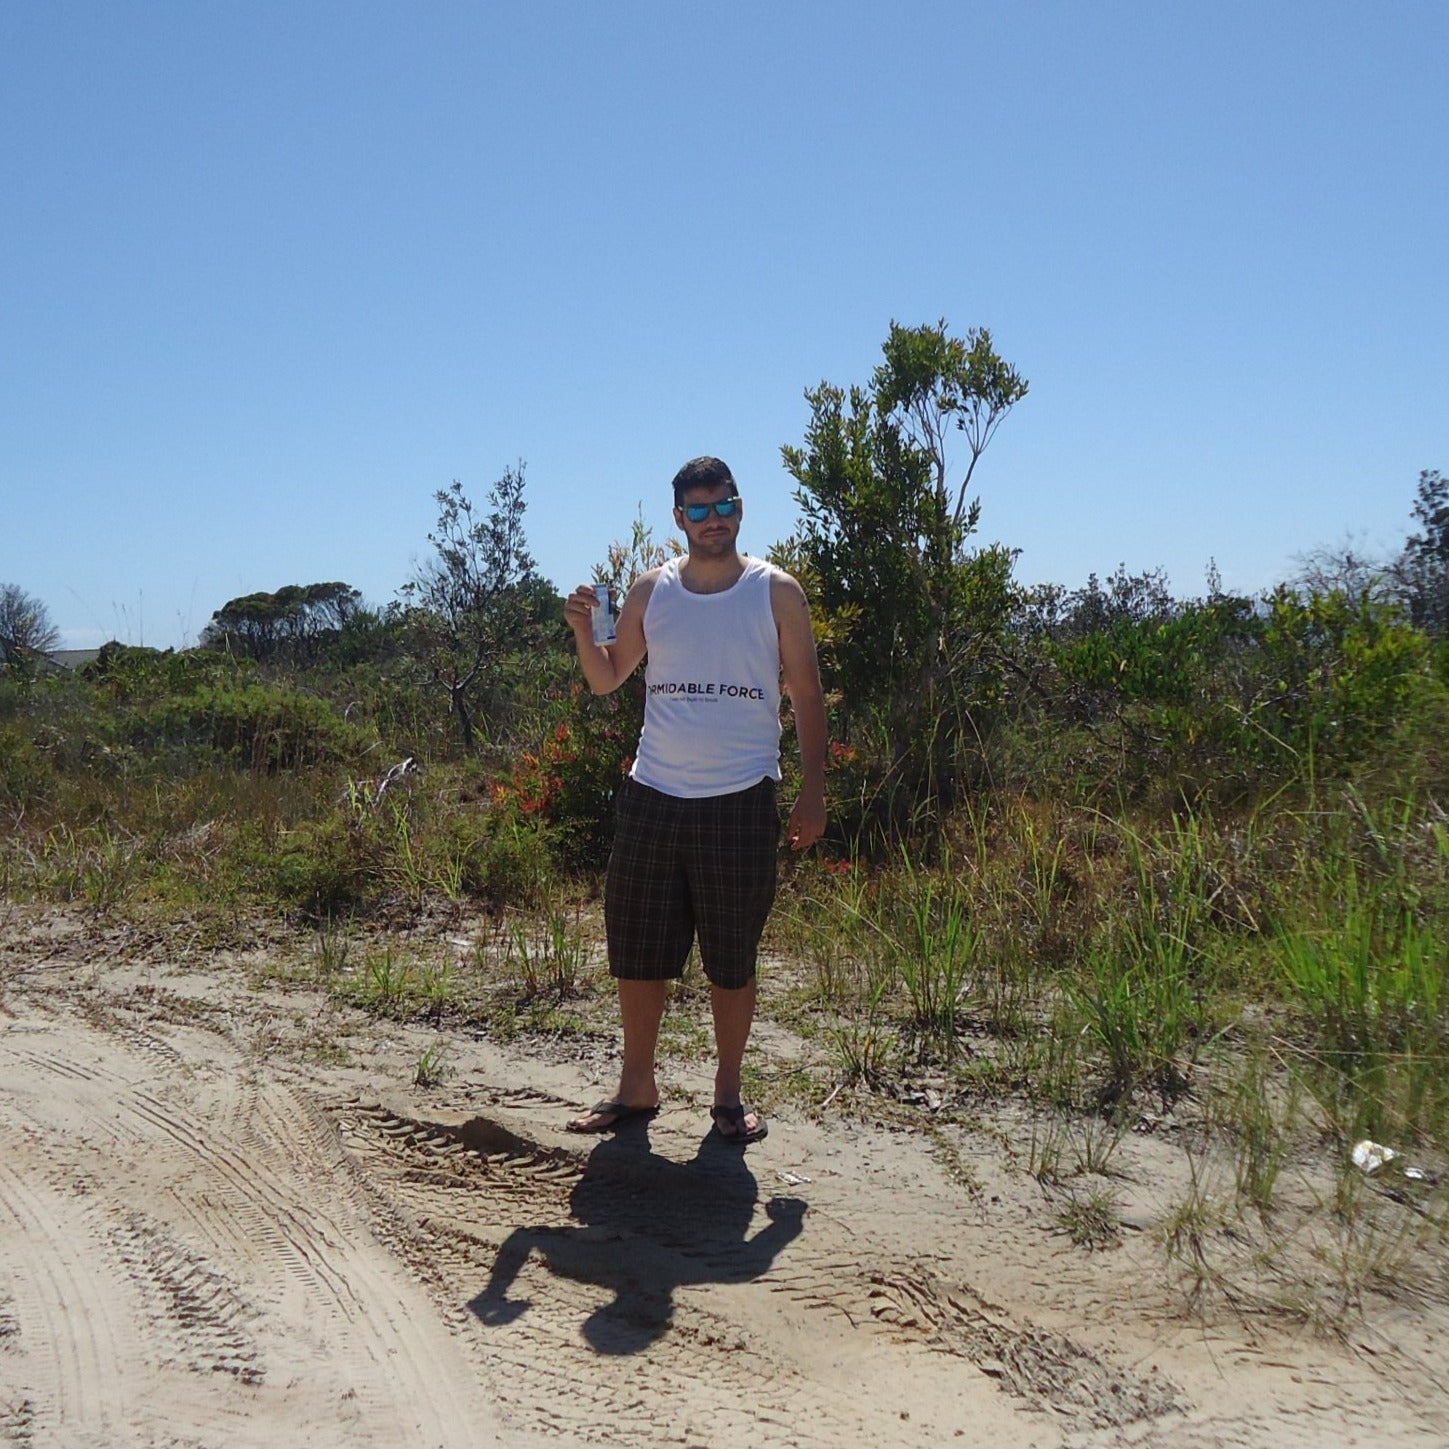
[
  {"x": 76, "y": 1315},
  {"x": 208, "y": 1315},
  {"x": 445, "y": 1214}
]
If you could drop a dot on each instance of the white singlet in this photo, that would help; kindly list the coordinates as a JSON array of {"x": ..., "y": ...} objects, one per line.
[{"x": 712, "y": 707}]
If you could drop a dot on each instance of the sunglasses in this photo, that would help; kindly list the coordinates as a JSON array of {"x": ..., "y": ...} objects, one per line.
[{"x": 698, "y": 512}]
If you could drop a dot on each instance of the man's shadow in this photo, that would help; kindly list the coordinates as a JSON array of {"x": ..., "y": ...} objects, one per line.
[{"x": 643, "y": 1226}]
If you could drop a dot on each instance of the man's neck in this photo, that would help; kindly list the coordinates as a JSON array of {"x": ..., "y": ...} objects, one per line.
[{"x": 705, "y": 575}]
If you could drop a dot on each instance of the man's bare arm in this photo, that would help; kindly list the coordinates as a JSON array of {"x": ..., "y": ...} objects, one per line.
[
  {"x": 607, "y": 666},
  {"x": 800, "y": 670}
]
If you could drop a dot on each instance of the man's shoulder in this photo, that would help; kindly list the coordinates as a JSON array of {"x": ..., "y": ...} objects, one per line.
[
  {"x": 643, "y": 585},
  {"x": 782, "y": 584}
]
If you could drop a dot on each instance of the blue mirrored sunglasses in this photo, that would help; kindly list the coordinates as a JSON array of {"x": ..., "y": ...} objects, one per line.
[{"x": 725, "y": 508}]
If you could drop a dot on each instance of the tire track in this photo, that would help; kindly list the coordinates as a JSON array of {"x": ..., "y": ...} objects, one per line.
[
  {"x": 208, "y": 1316},
  {"x": 70, "y": 1322},
  {"x": 258, "y": 1201},
  {"x": 587, "y": 1265},
  {"x": 287, "y": 1226}
]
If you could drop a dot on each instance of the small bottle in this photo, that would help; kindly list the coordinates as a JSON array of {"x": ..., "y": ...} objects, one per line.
[{"x": 605, "y": 620}]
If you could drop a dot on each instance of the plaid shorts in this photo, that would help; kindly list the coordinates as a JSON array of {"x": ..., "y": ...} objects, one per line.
[{"x": 681, "y": 868}]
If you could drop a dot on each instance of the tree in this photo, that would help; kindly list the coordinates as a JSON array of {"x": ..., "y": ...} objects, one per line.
[
  {"x": 1421, "y": 575},
  {"x": 294, "y": 621},
  {"x": 25, "y": 621},
  {"x": 931, "y": 383},
  {"x": 1344, "y": 568},
  {"x": 911, "y": 624},
  {"x": 478, "y": 602}
]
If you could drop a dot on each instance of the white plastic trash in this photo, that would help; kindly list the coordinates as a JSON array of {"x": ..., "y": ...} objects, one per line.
[{"x": 1368, "y": 1156}]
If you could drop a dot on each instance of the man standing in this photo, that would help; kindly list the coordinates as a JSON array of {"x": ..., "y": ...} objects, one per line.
[{"x": 694, "y": 852}]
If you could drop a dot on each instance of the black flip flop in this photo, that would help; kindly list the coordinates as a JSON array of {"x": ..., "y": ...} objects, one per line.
[
  {"x": 734, "y": 1117},
  {"x": 621, "y": 1112}
]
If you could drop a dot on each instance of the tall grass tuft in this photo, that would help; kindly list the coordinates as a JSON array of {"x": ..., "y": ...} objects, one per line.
[{"x": 1372, "y": 1000}]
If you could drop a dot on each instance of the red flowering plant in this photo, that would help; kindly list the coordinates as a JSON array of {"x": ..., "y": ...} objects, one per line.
[{"x": 569, "y": 781}]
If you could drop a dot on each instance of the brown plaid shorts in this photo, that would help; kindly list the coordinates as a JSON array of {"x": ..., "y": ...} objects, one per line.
[{"x": 686, "y": 868}]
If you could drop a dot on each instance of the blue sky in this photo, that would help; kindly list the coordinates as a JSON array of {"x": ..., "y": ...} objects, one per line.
[{"x": 271, "y": 274}]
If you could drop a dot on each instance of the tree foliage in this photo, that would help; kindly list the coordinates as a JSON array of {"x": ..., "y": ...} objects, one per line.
[
  {"x": 478, "y": 605},
  {"x": 25, "y": 621},
  {"x": 1421, "y": 575},
  {"x": 295, "y": 622},
  {"x": 909, "y": 621}
]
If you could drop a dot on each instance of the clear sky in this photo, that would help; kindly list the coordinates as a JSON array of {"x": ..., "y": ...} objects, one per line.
[{"x": 273, "y": 273}]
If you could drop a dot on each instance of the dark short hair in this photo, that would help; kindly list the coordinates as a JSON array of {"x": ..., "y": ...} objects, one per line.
[{"x": 701, "y": 473}]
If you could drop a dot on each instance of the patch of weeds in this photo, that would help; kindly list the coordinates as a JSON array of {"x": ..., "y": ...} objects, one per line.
[
  {"x": 433, "y": 1067},
  {"x": 438, "y": 987},
  {"x": 1063, "y": 1146},
  {"x": 1142, "y": 1011},
  {"x": 1091, "y": 1221},
  {"x": 1257, "y": 1112},
  {"x": 937, "y": 961},
  {"x": 1376, "y": 1236},
  {"x": 94, "y": 864},
  {"x": 1371, "y": 989},
  {"x": 555, "y": 1021},
  {"x": 1045, "y": 1149},
  {"x": 1098, "y": 1140},
  {"x": 549, "y": 958},
  {"x": 384, "y": 984},
  {"x": 758, "y": 1087},
  {"x": 795, "y": 1084},
  {"x": 288, "y": 971},
  {"x": 1185, "y": 1233},
  {"x": 684, "y": 1035},
  {"x": 866, "y": 1049},
  {"x": 323, "y": 1051},
  {"x": 331, "y": 953}
]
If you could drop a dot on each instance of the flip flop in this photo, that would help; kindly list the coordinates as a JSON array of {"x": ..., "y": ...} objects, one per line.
[
  {"x": 621, "y": 1112},
  {"x": 734, "y": 1118}
]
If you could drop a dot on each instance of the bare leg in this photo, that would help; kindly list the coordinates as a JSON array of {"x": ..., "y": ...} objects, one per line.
[
  {"x": 641, "y": 1005},
  {"x": 734, "y": 1015}
]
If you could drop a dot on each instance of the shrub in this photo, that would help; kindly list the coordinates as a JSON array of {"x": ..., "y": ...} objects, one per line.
[
  {"x": 260, "y": 726},
  {"x": 503, "y": 858},
  {"x": 26, "y": 775},
  {"x": 569, "y": 782},
  {"x": 325, "y": 867}
]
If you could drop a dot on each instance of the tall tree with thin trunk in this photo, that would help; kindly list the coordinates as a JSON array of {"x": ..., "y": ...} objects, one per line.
[
  {"x": 474, "y": 604},
  {"x": 908, "y": 618}
]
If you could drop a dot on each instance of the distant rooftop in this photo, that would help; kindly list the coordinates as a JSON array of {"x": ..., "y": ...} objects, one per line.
[
  {"x": 74, "y": 658},
  {"x": 58, "y": 659}
]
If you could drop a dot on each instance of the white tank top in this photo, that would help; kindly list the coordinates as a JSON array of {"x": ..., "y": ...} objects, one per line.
[{"x": 712, "y": 702}]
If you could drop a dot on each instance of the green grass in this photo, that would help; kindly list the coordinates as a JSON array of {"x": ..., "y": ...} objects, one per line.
[{"x": 1079, "y": 943}]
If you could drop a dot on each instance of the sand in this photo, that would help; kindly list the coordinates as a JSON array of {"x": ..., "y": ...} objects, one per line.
[{"x": 220, "y": 1228}]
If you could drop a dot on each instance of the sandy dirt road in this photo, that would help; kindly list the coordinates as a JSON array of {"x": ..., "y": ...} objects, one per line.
[{"x": 211, "y": 1234}]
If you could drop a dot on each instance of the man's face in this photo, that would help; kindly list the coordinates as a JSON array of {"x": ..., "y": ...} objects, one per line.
[{"x": 713, "y": 536}]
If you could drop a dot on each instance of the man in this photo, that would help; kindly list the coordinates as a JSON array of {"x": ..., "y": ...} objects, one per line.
[{"x": 695, "y": 846}]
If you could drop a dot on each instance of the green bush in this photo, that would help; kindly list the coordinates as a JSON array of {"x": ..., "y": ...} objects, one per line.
[
  {"x": 27, "y": 776},
  {"x": 1338, "y": 676},
  {"x": 504, "y": 857},
  {"x": 325, "y": 867},
  {"x": 259, "y": 726}
]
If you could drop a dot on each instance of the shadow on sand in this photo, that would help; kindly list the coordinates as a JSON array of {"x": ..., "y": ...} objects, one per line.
[{"x": 642, "y": 1226}]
